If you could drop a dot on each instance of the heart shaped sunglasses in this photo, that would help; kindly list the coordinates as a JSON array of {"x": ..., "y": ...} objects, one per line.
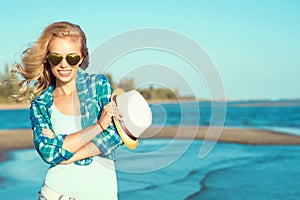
[{"x": 55, "y": 58}]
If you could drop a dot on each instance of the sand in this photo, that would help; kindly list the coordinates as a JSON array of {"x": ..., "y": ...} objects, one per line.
[
  {"x": 234, "y": 135},
  {"x": 13, "y": 106},
  {"x": 20, "y": 139},
  {"x": 16, "y": 139}
]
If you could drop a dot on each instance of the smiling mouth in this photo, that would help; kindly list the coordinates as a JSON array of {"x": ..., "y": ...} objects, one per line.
[{"x": 64, "y": 72}]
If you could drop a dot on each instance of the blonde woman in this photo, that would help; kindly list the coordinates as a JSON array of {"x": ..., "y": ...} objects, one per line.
[{"x": 71, "y": 116}]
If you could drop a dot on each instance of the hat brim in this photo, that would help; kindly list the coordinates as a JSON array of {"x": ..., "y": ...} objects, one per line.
[{"x": 130, "y": 143}]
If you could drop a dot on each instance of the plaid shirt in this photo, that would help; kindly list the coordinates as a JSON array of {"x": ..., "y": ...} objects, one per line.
[{"x": 94, "y": 92}]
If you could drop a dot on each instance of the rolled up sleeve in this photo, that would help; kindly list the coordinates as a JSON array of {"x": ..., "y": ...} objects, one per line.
[
  {"x": 108, "y": 140},
  {"x": 50, "y": 149}
]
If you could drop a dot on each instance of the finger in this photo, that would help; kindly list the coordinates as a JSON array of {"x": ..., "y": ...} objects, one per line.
[
  {"x": 113, "y": 103},
  {"x": 117, "y": 113},
  {"x": 120, "y": 113},
  {"x": 44, "y": 130},
  {"x": 115, "y": 109},
  {"x": 109, "y": 104},
  {"x": 109, "y": 113},
  {"x": 109, "y": 108},
  {"x": 47, "y": 132},
  {"x": 47, "y": 129},
  {"x": 49, "y": 135},
  {"x": 119, "y": 118}
]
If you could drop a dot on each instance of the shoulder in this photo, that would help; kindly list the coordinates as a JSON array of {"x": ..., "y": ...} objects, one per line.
[
  {"x": 86, "y": 77},
  {"x": 41, "y": 104},
  {"x": 93, "y": 84},
  {"x": 101, "y": 79},
  {"x": 46, "y": 98},
  {"x": 94, "y": 80}
]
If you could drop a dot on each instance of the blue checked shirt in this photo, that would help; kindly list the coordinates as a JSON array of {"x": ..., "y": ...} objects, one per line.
[{"x": 94, "y": 92}]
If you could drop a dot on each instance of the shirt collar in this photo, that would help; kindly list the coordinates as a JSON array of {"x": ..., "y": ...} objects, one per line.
[{"x": 46, "y": 97}]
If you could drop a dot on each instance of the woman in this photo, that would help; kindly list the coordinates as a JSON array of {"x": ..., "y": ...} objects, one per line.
[{"x": 71, "y": 116}]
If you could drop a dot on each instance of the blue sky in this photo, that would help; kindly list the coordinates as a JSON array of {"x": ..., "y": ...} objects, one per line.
[{"x": 253, "y": 44}]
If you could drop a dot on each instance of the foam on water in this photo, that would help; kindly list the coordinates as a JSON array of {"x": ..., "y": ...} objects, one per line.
[{"x": 230, "y": 171}]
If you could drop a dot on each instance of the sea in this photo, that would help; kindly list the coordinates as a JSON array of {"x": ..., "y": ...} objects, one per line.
[{"x": 172, "y": 168}]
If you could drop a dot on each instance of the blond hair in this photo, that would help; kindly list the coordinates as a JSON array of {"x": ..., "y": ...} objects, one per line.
[{"x": 34, "y": 67}]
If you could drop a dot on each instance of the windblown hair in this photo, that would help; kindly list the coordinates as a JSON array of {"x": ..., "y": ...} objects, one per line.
[{"x": 34, "y": 67}]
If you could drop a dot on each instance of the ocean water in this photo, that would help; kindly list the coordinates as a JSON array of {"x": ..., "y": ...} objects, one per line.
[
  {"x": 282, "y": 116},
  {"x": 172, "y": 169},
  {"x": 230, "y": 171}
]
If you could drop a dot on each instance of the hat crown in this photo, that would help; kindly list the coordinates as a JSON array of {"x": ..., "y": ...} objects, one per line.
[{"x": 137, "y": 113}]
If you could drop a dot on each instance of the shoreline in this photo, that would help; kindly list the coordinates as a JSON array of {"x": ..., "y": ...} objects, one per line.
[
  {"x": 22, "y": 138},
  {"x": 228, "y": 134},
  {"x": 242, "y": 103},
  {"x": 16, "y": 139},
  {"x": 14, "y": 106}
]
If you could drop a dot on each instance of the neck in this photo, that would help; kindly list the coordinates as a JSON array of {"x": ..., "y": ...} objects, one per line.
[{"x": 64, "y": 89}]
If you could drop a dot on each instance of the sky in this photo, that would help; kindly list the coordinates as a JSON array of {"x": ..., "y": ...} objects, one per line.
[{"x": 253, "y": 45}]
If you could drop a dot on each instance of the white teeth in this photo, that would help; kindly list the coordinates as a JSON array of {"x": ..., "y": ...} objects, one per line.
[{"x": 64, "y": 72}]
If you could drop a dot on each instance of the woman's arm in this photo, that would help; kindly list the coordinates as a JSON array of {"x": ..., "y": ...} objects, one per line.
[
  {"x": 50, "y": 149},
  {"x": 87, "y": 151},
  {"x": 108, "y": 140},
  {"x": 62, "y": 147},
  {"x": 76, "y": 141}
]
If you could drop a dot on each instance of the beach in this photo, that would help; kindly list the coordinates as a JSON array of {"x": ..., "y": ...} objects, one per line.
[
  {"x": 13, "y": 106},
  {"x": 21, "y": 139},
  {"x": 167, "y": 169},
  {"x": 248, "y": 152},
  {"x": 238, "y": 155}
]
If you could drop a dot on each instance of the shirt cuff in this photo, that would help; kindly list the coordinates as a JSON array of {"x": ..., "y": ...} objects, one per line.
[
  {"x": 107, "y": 141},
  {"x": 63, "y": 152}
]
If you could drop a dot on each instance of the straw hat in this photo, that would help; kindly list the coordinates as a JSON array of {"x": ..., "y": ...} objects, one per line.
[{"x": 137, "y": 116}]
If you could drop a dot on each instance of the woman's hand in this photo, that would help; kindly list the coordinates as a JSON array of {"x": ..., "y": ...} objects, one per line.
[
  {"x": 48, "y": 133},
  {"x": 109, "y": 111}
]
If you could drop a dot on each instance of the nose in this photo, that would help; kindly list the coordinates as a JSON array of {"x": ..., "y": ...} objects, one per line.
[{"x": 63, "y": 63}]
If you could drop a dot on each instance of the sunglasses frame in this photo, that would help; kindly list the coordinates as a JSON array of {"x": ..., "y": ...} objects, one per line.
[{"x": 68, "y": 58}]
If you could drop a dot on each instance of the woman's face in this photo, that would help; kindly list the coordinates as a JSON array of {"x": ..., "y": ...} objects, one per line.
[{"x": 64, "y": 72}]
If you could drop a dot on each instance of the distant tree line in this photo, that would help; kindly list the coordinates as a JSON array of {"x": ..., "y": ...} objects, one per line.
[
  {"x": 149, "y": 93},
  {"x": 9, "y": 87},
  {"x": 152, "y": 93}
]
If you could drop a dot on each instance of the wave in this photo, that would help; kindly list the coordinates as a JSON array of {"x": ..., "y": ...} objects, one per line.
[{"x": 253, "y": 178}]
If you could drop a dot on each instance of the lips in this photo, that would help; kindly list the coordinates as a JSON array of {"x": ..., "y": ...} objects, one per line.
[{"x": 64, "y": 72}]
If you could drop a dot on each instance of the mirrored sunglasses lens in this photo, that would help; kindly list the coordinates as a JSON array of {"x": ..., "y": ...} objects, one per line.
[
  {"x": 54, "y": 59},
  {"x": 73, "y": 59}
]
